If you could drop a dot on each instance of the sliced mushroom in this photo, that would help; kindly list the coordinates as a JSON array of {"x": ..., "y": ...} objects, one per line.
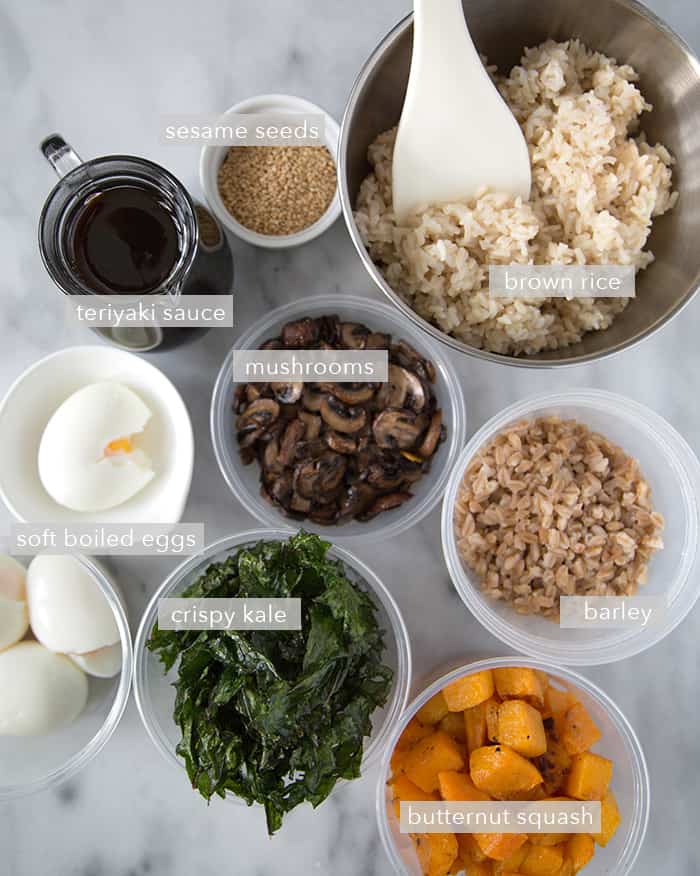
[
  {"x": 356, "y": 499},
  {"x": 271, "y": 461},
  {"x": 324, "y": 515},
  {"x": 292, "y": 436},
  {"x": 328, "y": 328},
  {"x": 353, "y": 335},
  {"x": 432, "y": 436},
  {"x": 281, "y": 489},
  {"x": 255, "y": 419},
  {"x": 377, "y": 341},
  {"x": 398, "y": 428},
  {"x": 340, "y": 443},
  {"x": 341, "y": 418},
  {"x": 411, "y": 359},
  {"x": 312, "y": 422},
  {"x": 310, "y": 449},
  {"x": 301, "y": 333},
  {"x": 350, "y": 394},
  {"x": 319, "y": 476},
  {"x": 385, "y": 503},
  {"x": 287, "y": 393},
  {"x": 300, "y": 504},
  {"x": 311, "y": 399}
]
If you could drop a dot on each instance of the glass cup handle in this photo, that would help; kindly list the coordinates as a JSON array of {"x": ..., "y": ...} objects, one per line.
[{"x": 60, "y": 155}]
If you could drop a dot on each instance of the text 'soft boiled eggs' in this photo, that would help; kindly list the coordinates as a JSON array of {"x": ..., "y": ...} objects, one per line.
[
  {"x": 41, "y": 691},
  {"x": 67, "y": 610},
  {"x": 88, "y": 458},
  {"x": 14, "y": 616},
  {"x": 103, "y": 663}
]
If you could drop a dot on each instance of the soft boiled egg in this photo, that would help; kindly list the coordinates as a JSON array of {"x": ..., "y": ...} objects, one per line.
[
  {"x": 41, "y": 691},
  {"x": 103, "y": 663},
  {"x": 14, "y": 616},
  {"x": 67, "y": 610},
  {"x": 88, "y": 456}
]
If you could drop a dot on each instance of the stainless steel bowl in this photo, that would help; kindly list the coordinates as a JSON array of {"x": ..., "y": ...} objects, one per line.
[{"x": 669, "y": 79}]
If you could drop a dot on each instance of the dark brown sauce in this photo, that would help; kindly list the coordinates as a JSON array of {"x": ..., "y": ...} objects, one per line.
[{"x": 125, "y": 242}]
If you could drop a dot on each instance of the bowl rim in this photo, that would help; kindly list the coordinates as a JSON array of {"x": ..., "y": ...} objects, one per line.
[
  {"x": 534, "y": 361},
  {"x": 373, "y": 750},
  {"x": 682, "y": 595},
  {"x": 209, "y": 158},
  {"x": 88, "y": 752},
  {"x": 640, "y": 771},
  {"x": 91, "y": 349},
  {"x": 405, "y": 519}
]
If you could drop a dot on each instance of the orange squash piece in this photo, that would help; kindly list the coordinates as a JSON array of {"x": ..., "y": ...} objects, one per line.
[
  {"x": 478, "y": 868},
  {"x": 549, "y": 839},
  {"x": 579, "y": 850},
  {"x": 431, "y": 755},
  {"x": 512, "y": 863},
  {"x": 436, "y": 852},
  {"x": 491, "y": 709},
  {"x": 500, "y": 846},
  {"x": 453, "y": 725},
  {"x": 589, "y": 777},
  {"x": 469, "y": 850},
  {"x": 609, "y": 820},
  {"x": 554, "y": 765},
  {"x": 456, "y": 786},
  {"x": 579, "y": 732},
  {"x": 515, "y": 682},
  {"x": 411, "y": 734},
  {"x": 542, "y": 861},
  {"x": 467, "y": 692},
  {"x": 403, "y": 789},
  {"x": 501, "y": 772},
  {"x": 475, "y": 727},
  {"x": 433, "y": 711},
  {"x": 567, "y": 868},
  {"x": 520, "y": 727}
]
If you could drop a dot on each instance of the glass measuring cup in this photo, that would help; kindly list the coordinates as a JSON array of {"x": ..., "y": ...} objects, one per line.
[{"x": 201, "y": 264}]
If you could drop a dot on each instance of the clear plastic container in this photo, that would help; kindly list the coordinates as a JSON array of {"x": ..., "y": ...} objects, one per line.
[
  {"x": 154, "y": 691},
  {"x": 244, "y": 480},
  {"x": 35, "y": 763},
  {"x": 619, "y": 743},
  {"x": 673, "y": 472}
]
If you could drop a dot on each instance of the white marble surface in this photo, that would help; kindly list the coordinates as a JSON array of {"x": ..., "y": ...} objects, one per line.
[{"x": 101, "y": 73}]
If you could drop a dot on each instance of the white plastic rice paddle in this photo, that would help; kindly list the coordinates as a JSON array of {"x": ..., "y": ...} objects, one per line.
[{"x": 456, "y": 133}]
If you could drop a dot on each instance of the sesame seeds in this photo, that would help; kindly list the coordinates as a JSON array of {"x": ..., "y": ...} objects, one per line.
[{"x": 277, "y": 190}]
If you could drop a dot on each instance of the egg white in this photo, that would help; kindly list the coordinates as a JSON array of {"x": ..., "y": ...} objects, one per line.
[
  {"x": 14, "y": 614},
  {"x": 75, "y": 467}
]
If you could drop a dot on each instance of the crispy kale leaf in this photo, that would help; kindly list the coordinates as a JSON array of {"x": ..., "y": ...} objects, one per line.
[{"x": 277, "y": 718}]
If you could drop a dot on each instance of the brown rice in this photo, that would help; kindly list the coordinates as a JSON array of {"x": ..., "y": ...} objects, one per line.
[{"x": 596, "y": 189}]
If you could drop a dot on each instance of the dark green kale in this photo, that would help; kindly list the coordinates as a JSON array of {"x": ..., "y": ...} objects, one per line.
[{"x": 277, "y": 717}]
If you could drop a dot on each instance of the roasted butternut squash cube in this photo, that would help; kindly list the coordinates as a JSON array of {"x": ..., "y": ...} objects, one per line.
[
  {"x": 516, "y": 682},
  {"x": 500, "y": 771},
  {"x": 554, "y": 765},
  {"x": 549, "y": 839},
  {"x": 431, "y": 755},
  {"x": 469, "y": 849},
  {"x": 411, "y": 734},
  {"x": 467, "y": 692},
  {"x": 609, "y": 820},
  {"x": 491, "y": 708},
  {"x": 500, "y": 846},
  {"x": 579, "y": 732},
  {"x": 456, "y": 786},
  {"x": 478, "y": 868},
  {"x": 589, "y": 777},
  {"x": 579, "y": 850},
  {"x": 402, "y": 788},
  {"x": 453, "y": 725},
  {"x": 567, "y": 868},
  {"x": 433, "y": 711},
  {"x": 542, "y": 861},
  {"x": 436, "y": 852},
  {"x": 512, "y": 863},
  {"x": 475, "y": 727},
  {"x": 520, "y": 726},
  {"x": 556, "y": 702}
]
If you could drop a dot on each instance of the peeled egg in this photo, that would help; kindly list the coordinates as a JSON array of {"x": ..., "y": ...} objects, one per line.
[
  {"x": 67, "y": 610},
  {"x": 103, "y": 663},
  {"x": 40, "y": 691},
  {"x": 88, "y": 459},
  {"x": 14, "y": 615}
]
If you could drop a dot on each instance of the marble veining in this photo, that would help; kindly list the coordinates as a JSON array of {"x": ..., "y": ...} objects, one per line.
[{"x": 101, "y": 74}]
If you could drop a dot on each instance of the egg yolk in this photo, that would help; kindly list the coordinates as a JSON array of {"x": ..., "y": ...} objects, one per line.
[{"x": 119, "y": 445}]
